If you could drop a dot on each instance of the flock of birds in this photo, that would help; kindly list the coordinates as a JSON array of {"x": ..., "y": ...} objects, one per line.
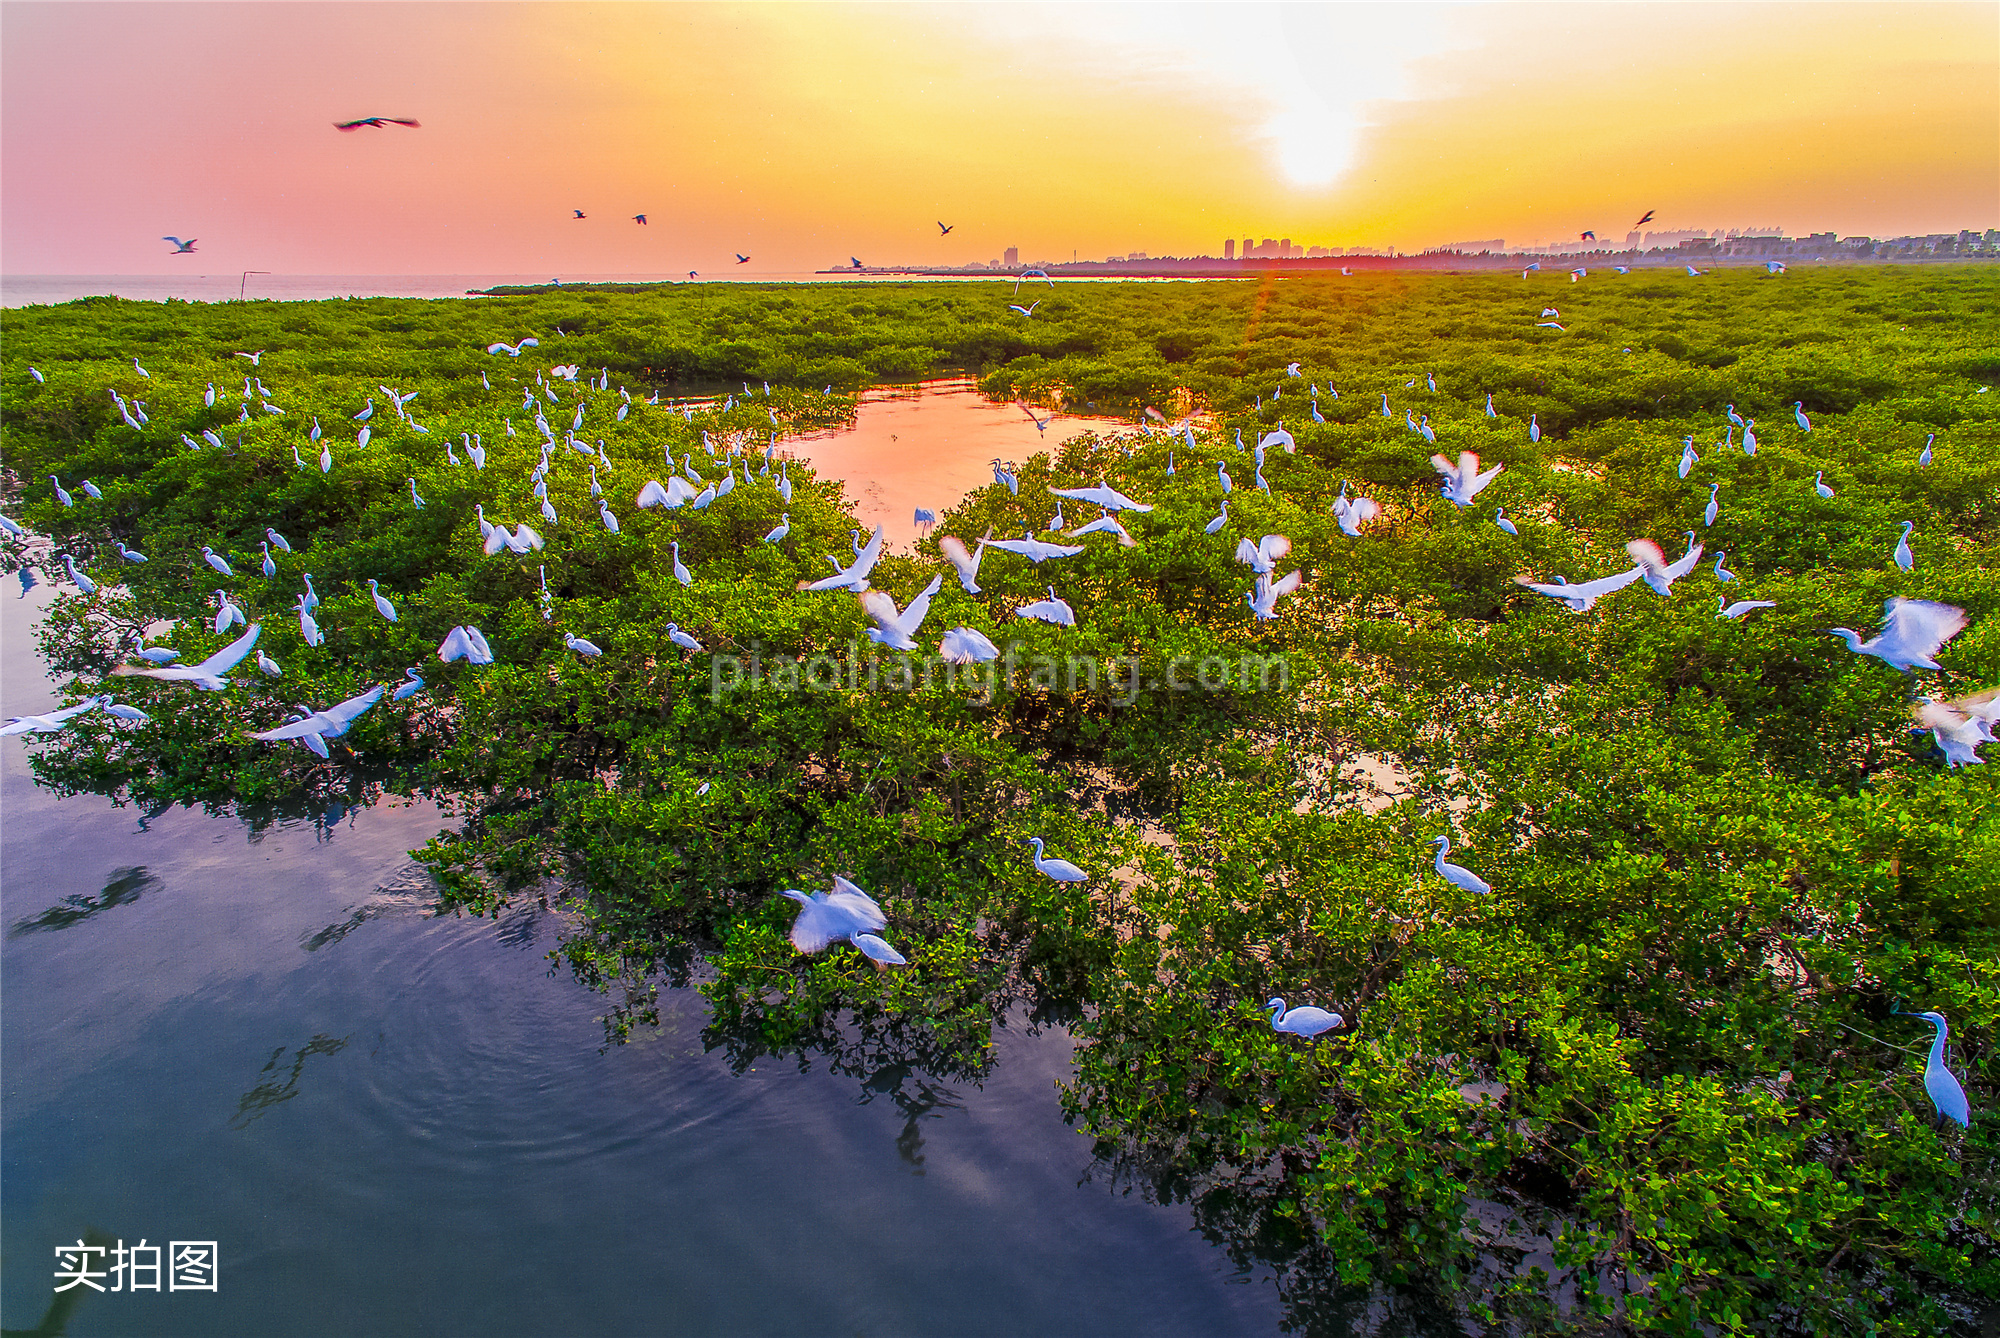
[{"x": 1913, "y": 631}]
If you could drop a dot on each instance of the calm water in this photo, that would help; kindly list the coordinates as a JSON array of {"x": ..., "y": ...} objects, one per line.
[{"x": 397, "y": 1124}]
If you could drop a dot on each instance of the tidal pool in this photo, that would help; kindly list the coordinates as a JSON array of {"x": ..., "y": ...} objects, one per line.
[{"x": 251, "y": 1031}]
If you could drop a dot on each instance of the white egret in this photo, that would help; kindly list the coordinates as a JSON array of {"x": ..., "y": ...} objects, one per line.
[
  {"x": 1819, "y": 486},
  {"x": 308, "y": 627},
  {"x": 52, "y": 721},
  {"x": 1059, "y": 869},
  {"x": 1106, "y": 524},
  {"x": 1489, "y": 408},
  {"x": 123, "y": 712},
  {"x": 268, "y": 666},
  {"x": 277, "y": 540},
  {"x": 92, "y": 489},
  {"x": 1215, "y": 526},
  {"x": 325, "y": 459},
  {"x": 1722, "y": 573},
  {"x": 1263, "y": 600},
  {"x": 61, "y": 496},
  {"x": 1924, "y": 459},
  {"x": 1463, "y": 481},
  {"x": 1913, "y": 630},
  {"x": 366, "y": 413},
  {"x": 1654, "y": 567},
  {"x": 382, "y": 604},
  {"x": 415, "y": 500},
  {"x": 681, "y": 573},
  {"x": 83, "y": 583},
  {"x": 966, "y": 645},
  {"x": 413, "y": 684},
  {"x": 331, "y": 723},
  {"x": 1799, "y": 415},
  {"x": 1724, "y": 609},
  {"x": 1034, "y": 549},
  {"x": 1688, "y": 457},
  {"x": 129, "y": 554},
  {"x": 1303, "y": 1021},
  {"x": 1713, "y": 509},
  {"x": 1279, "y": 437},
  {"x": 208, "y": 675},
  {"x": 681, "y": 639},
  {"x": 894, "y": 629},
  {"x": 964, "y": 563},
  {"x": 780, "y": 530},
  {"x": 825, "y": 918},
  {"x": 1051, "y": 610},
  {"x": 1500, "y": 519},
  {"x": 1749, "y": 437},
  {"x": 580, "y": 646},
  {"x": 227, "y": 613},
  {"x": 1534, "y": 429},
  {"x": 1583, "y": 596},
  {"x": 1960, "y": 727},
  {"x": 465, "y": 643},
  {"x": 1902, "y": 557},
  {"x": 1455, "y": 874},
  {"x": 1263, "y": 556},
  {"x": 1222, "y": 477},
  {"x": 606, "y": 519},
  {"x": 1939, "y": 1084},
  {"x": 1353, "y": 515}
]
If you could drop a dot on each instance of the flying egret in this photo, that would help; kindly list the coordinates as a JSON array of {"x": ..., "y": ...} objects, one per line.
[
  {"x": 1263, "y": 556},
  {"x": 382, "y": 604},
  {"x": 1263, "y": 600},
  {"x": 1960, "y": 727},
  {"x": 1106, "y": 524},
  {"x": 1912, "y": 632},
  {"x": 1582, "y": 597},
  {"x": 52, "y": 721},
  {"x": 580, "y": 646},
  {"x": 895, "y": 629},
  {"x": 1059, "y": 869},
  {"x": 1819, "y": 485},
  {"x": 1902, "y": 556},
  {"x": 964, "y": 563},
  {"x": 1939, "y": 1084},
  {"x": 208, "y": 675},
  {"x": 966, "y": 645},
  {"x": 465, "y": 643},
  {"x": 1103, "y": 495},
  {"x": 1723, "y": 609},
  {"x": 1034, "y": 549},
  {"x": 1028, "y": 310},
  {"x": 1303, "y": 1021},
  {"x": 1500, "y": 519},
  {"x": 331, "y": 723},
  {"x": 1654, "y": 567},
  {"x": 1463, "y": 481},
  {"x": 1051, "y": 610},
  {"x": 1353, "y": 515},
  {"x": 378, "y": 122},
  {"x": 825, "y": 918},
  {"x": 1457, "y": 875}
]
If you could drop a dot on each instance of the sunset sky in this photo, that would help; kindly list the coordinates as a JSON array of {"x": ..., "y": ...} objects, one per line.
[{"x": 803, "y": 134}]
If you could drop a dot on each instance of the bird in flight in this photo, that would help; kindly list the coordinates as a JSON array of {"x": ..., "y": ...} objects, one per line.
[
  {"x": 944, "y": 228},
  {"x": 1587, "y": 237},
  {"x": 640, "y": 219},
  {"x": 742, "y": 259},
  {"x": 377, "y": 121},
  {"x": 1644, "y": 221},
  {"x": 182, "y": 248},
  {"x": 578, "y": 212}
]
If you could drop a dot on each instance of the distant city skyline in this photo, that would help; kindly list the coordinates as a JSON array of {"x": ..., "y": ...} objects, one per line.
[{"x": 793, "y": 134}]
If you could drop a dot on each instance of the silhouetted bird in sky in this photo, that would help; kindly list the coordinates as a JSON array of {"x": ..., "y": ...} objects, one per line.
[
  {"x": 640, "y": 219},
  {"x": 578, "y": 212},
  {"x": 742, "y": 259},
  {"x": 944, "y": 228},
  {"x": 1644, "y": 221},
  {"x": 377, "y": 121},
  {"x": 181, "y": 248},
  {"x": 856, "y": 260},
  {"x": 1588, "y": 237}
]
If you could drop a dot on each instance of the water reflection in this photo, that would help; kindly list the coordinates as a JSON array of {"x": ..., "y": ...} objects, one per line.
[
  {"x": 125, "y": 885},
  {"x": 275, "y": 1085}
]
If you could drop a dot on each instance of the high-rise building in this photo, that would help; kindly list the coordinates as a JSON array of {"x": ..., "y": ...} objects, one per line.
[
  {"x": 1249, "y": 248},
  {"x": 1229, "y": 248},
  {"x": 1012, "y": 255},
  {"x": 1285, "y": 247}
]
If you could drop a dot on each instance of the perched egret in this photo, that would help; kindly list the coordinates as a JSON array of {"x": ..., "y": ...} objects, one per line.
[
  {"x": 1500, "y": 519},
  {"x": 1713, "y": 509},
  {"x": 1924, "y": 459},
  {"x": 1939, "y": 1084},
  {"x": 61, "y": 496},
  {"x": 1305, "y": 1021},
  {"x": 1799, "y": 415},
  {"x": 1215, "y": 526},
  {"x": 277, "y": 540},
  {"x": 1819, "y": 486},
  {"x": 268, "y": 666},
  {"x": 1222, "y": 477},
  {"x": 227, "y": 613},
  {"x": 413, "y": 684},
  {"x": 308, "y": 626},
  {"x": 382, "y": 604},
  {"x": 83, "y": 583},
  {"x": 1457, "y": 875},
  {"x": 1534, "y": 429},
  {"x": 681, "y": 639},
  {"x": 1722, "y": 573},
  {"x": 129, "y": 554},
  {"x": 1912, "y": 632},
  {"x": 1902, "y": 556},
  {"x": 780, "y": 530},
  {"x": 580, "y": 646},
  {"x": 1059, "y": 869}
]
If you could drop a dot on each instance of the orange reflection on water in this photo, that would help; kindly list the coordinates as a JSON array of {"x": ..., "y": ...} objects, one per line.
[{"x": 927, "y": 446}]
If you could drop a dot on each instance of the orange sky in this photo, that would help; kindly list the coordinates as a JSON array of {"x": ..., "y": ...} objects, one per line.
[{"x": 802, "y": 134}]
